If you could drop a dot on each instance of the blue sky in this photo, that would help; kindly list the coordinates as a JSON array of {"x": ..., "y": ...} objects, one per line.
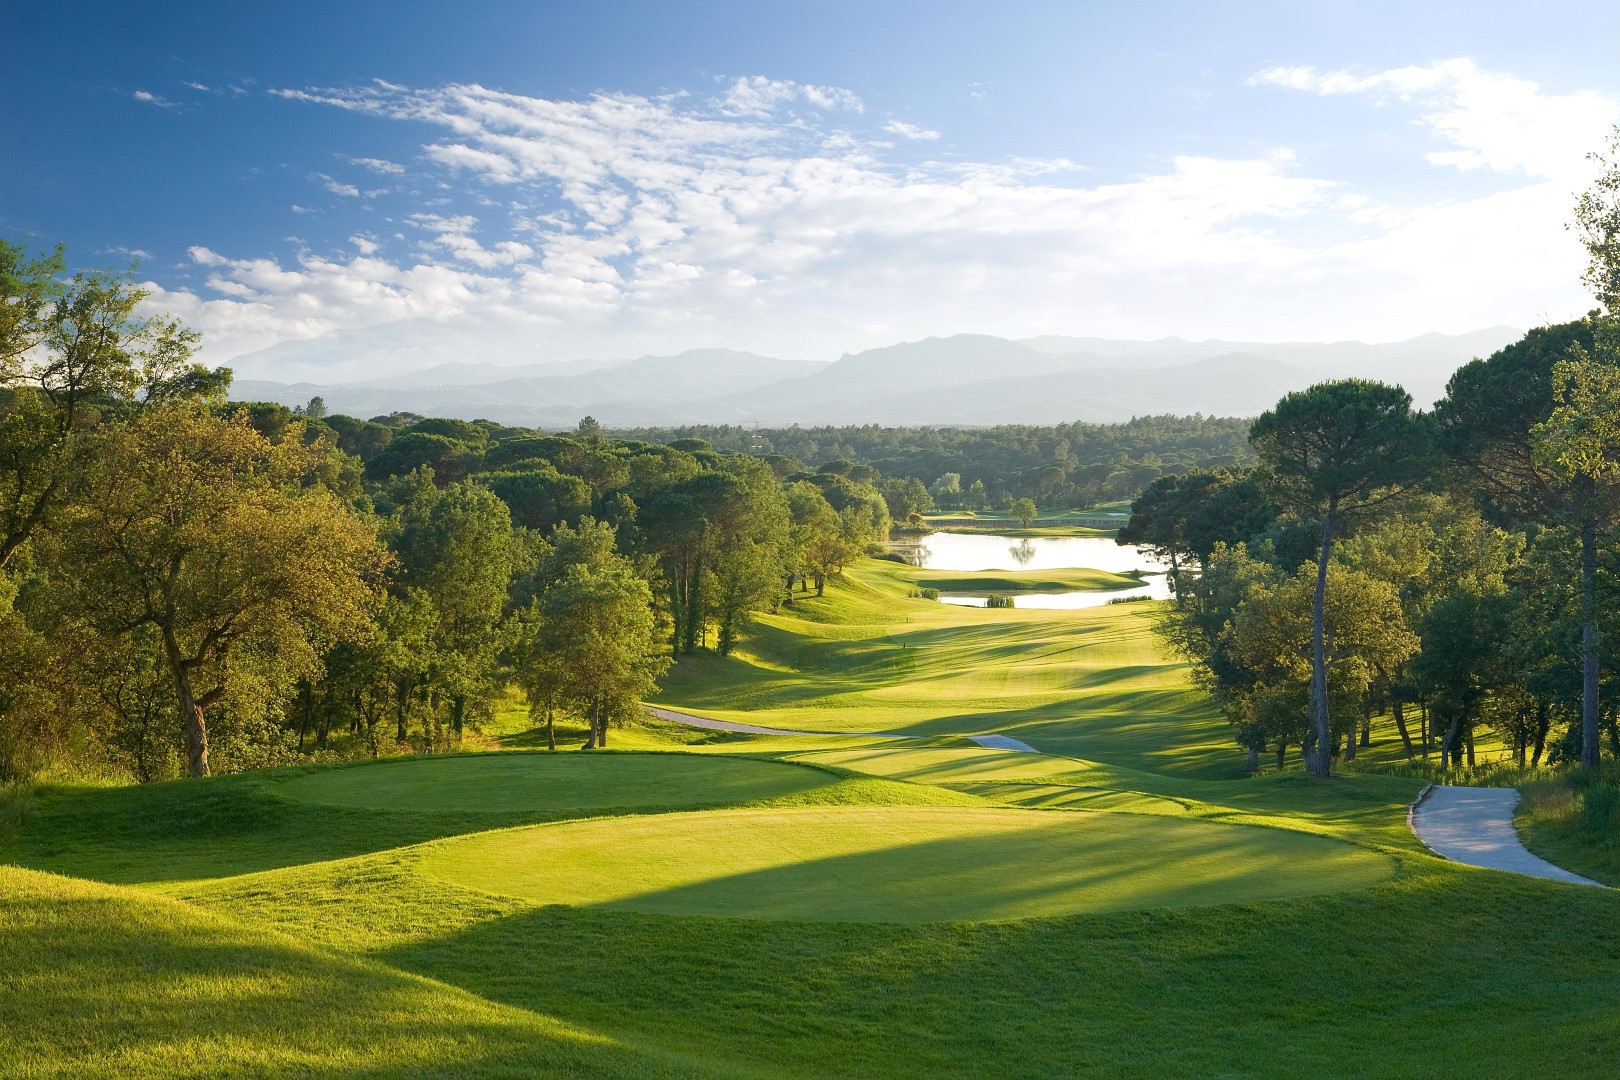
[{"x": 552, "y": 180}]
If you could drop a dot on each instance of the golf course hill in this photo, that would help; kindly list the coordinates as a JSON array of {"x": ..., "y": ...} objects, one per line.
[{"x": 866, "y": 892}]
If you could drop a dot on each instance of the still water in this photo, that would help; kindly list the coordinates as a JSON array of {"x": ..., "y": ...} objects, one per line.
[{"x": 978, "y": 551}]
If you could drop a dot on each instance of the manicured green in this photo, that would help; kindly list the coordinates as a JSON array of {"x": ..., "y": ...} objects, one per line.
[
  {"x": 1034, "y": 581},
  {"x": 541, "y": 781},
  {"x": 899, "y": 864}
]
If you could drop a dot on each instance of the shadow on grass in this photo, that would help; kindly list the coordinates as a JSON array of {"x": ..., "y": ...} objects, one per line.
[
  {"x": 106, "y": 982},
  {"x": 1188, "y": 992}
]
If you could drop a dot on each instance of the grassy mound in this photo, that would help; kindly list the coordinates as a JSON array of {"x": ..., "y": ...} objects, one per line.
[
  {"x": 1028, "y": 581},
  {"x": 103, "y": 981},
  {"x": 899, "y": 864},
  {"x": 540, "y": 781}
]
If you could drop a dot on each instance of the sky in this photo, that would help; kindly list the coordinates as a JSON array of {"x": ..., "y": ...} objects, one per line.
[{"x": 523, "y": 181}]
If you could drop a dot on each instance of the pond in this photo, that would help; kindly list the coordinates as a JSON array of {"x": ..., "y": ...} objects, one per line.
[{"x": 981, "y": 551}]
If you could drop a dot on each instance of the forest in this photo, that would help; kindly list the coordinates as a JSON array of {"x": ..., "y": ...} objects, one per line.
[
  {"x": 190, "y": 585},
  {"x": 1454, "y": 570}
]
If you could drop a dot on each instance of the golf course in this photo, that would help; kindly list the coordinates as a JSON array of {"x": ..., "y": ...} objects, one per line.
[{"x": 693, "y": 902}]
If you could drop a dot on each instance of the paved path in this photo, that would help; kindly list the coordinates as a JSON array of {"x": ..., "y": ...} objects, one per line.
[
  {"x": 1475, "y": 826},
  {"x": 993, "y": 742}
]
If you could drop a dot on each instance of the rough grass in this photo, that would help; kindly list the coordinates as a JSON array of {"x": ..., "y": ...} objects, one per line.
[{"x": 1574, "y": 821}]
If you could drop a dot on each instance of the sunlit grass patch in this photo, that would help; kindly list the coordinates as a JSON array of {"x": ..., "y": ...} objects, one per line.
[
  {"x": 898, "y": 864},
  {"x": 518, "y": 782}
]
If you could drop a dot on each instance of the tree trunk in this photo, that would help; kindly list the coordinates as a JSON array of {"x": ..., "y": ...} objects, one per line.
[
  {"x": 1366, "y": 731},
  {"x": 1254, "y": 761},
  {"x": 1282, "y": 754},
  {"x": 601, "y": 724},
  {"x": 1423, "y": 718},
  {"x": 1590, "y": 747},
  {"x": 551, "y": 731},
  {"x": 192, "y": 721},
  {"x": 1321, "y": 759},
  {"x": 1449, "y": 750},
  {"x": 1175, "y": 578},
  {"x": 1543, "y": 723},
  {"x": 1400, "y": 726}
]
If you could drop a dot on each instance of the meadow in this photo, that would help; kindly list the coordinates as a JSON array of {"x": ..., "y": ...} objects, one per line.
[{"x": 712, "y": 904}]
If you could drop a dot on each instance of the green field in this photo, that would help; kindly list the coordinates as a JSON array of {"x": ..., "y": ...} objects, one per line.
[
  {"x": 1042, "y": 581},
  {"x": 899, "y": 864},
  {"x": 530, "y": 781},
  {"x": 1124, "y": 903}
]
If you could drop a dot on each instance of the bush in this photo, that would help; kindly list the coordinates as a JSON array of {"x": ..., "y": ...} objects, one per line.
[{"x": 998, "y": 600}]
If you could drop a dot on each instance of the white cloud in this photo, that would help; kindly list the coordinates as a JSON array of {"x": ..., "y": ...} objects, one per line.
[
  {"x": 337, "y": 187},
  {"x": 1490, "y": 120},
  {"x": 378, "y": 165},
  {"x": 756, "y": 95},
  {"x": 909, "y": 131},
  {"x": 740, "y": 220},
  {"x": 149, "y": 98}
]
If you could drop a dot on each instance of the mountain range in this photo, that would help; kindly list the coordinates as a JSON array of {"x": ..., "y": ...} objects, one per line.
[{"x": 964, "y": 379}]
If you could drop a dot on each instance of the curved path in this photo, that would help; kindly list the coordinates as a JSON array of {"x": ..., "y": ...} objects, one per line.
[
  {"x": 992, "y": 742},
  {"x": 1475, "y": 826}
]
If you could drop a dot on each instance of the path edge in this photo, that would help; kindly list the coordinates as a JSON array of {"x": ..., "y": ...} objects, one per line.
[{"x": 1411, "y": 818}]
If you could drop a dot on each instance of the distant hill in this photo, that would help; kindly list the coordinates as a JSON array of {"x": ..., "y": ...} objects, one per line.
[{"x": 963, "y": 379}]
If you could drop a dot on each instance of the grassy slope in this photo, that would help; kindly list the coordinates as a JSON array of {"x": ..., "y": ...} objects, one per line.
[
  {"x": 898, "y": 864},
  {"x": 101, "y": 980},
  {"x": 1443, "y": 971},
  {"x": 1015, "y": 581},
  {"x": 865, "y": 658},
  {"x": 1574, "y": 824}
]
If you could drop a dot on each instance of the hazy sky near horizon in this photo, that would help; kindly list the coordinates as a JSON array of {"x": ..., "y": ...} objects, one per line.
[{"x": 798, "y": 179}]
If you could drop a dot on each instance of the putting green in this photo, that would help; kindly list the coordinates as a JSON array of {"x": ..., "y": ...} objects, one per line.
[
  {"x": 542, "y": 781},
  {"x": 899, "y": 864}
]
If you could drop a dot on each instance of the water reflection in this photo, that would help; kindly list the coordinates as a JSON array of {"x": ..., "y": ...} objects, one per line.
[{"x": 988, "y": 551}]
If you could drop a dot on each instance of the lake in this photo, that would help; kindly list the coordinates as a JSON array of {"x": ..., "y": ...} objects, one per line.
[{"x": 980, "y": 551}]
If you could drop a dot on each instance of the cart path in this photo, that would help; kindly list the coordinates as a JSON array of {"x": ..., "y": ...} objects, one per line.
[
  {"x": 1474, "y": 825},
  {"x": 992, "y": 742}
]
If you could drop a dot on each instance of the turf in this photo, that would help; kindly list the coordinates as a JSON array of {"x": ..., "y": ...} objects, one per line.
[
  {"x": 1021, "y": 581},
  {"x": 899, "y": 864},
  {"x": 866, "y": 658},
  {"x": 97, "y": 980},
  {"x": 538, "y": 781}
]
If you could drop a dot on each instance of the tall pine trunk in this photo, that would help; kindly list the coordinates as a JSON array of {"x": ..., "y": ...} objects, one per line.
[
  {"x": 1321, "y": 758},
  {"x": 1590, "y": 718}
]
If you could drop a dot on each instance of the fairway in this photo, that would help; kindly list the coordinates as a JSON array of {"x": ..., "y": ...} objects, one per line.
[
  {"x": 900, "y": 864},
  {"x": 544, "y": 781}
]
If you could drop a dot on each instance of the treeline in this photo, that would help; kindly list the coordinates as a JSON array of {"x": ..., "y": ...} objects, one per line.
[
  {"x": 1376, "y": 558},
  {"x": 188, "y": 585},
  {"x": 1454, "y": 570},
  {"x": 1076, "y": 465}
]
